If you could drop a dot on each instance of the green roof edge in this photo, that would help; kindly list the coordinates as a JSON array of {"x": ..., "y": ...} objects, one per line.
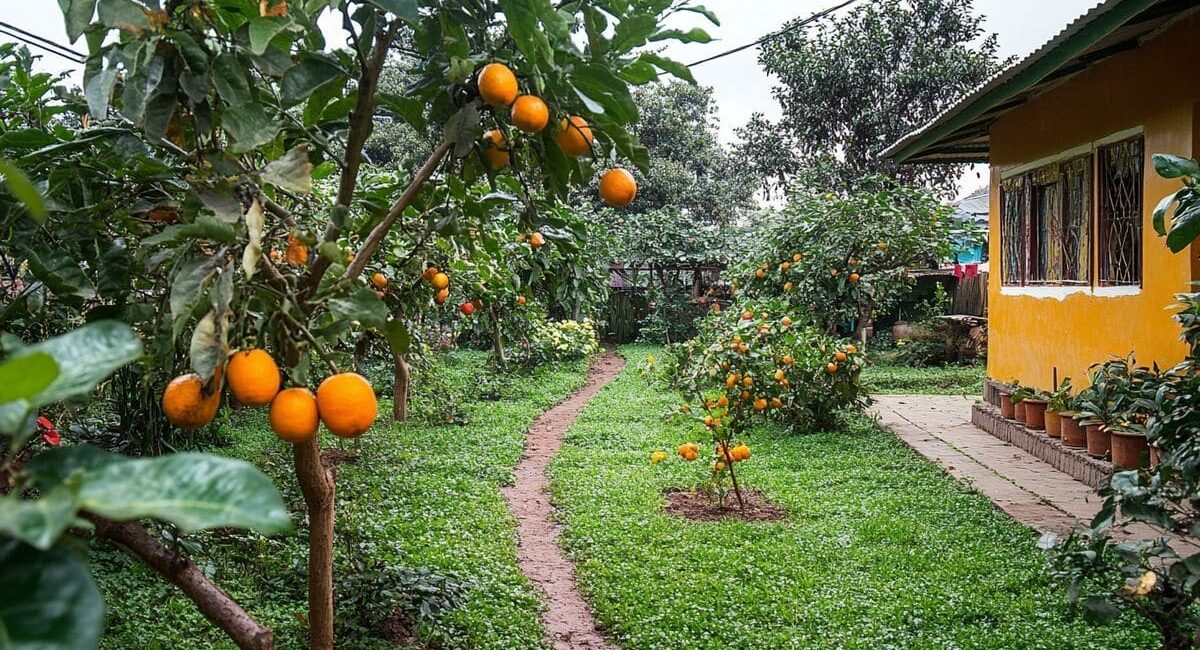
[{"x": 1090, "y": 34}]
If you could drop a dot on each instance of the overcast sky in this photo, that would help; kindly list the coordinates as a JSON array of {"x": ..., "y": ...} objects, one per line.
[{"x": 740, "y": 86}]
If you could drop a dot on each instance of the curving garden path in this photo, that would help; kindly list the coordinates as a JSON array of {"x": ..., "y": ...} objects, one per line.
[{"x": 567, "y": 620}]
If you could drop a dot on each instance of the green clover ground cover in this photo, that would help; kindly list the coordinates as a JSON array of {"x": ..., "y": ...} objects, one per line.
[
  {"x": 420, "y": 496},
  {"x": 948, "y": 380},
  {"x": 882, "y": 550}
]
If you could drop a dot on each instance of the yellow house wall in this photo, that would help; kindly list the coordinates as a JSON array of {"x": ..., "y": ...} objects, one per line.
[{"x": 1156, "y": 88}]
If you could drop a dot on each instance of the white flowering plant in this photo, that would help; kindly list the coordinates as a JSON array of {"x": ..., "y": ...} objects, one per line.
[{"x": 563, "y": 340}]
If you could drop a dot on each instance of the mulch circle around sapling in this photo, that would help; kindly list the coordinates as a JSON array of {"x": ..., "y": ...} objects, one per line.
[
  {"x": 697, "y": 506},
  {"x": 335, "y": 457}
]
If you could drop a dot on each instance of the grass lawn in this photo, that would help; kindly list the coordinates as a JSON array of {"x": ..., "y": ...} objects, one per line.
[
  {"x": 949, "y": 380},
  {"x": 882, "y": 550},
  {"x": 421, "y": 496}
]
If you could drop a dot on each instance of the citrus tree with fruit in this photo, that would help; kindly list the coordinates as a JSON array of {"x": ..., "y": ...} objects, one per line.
[
  {"x": 756, "y": 364},
  {"x": 838, "y": 260},
  {"x": 206, "y": 124}
]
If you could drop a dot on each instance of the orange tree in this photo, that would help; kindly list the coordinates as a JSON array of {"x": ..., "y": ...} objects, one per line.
[
  {"x": 838, "y": 260},
  {"x": 755, "y": 363},
  {"x": 214, "y": 117}
]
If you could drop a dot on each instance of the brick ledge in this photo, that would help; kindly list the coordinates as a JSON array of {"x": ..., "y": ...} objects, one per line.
[{"x": 1074, "y": 462}]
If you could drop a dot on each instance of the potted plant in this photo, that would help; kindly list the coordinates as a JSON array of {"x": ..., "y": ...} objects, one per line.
[
  {"x": 1035, "y": 403},
  {"x": 1007, "y": 408},
  {"x": 1129, "y": 447},
  {"x": 1073, "y": 433},
  {"x": 1018, "y": 399},
  {"x": 1058, "y": 404},
  {"x": 1112, "y": 393}
]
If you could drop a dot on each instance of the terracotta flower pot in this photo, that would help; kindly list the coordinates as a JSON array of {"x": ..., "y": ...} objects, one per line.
[
  {"x": 1073, "y": 434},
  {"x": 1099, "y": 443},
  {"x": 1006, "y": 406},
  {"x": 1019, "y": 412},
  {"x": 1129, "y": 449},
  {"x": 1035, "y": 414},
  {"x": 1053, "y": 424}
]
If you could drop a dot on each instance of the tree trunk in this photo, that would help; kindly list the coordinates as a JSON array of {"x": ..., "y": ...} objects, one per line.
[
  {"x": 401, "y": 377},
  {"x": 317, "y": 485},
  {"x": 361, "y": 347},
  {"x": 181, "y": 571},
  {"x": 497, "y": 340}
]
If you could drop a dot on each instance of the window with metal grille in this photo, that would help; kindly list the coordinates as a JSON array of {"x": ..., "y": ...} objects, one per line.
[
  {"x": 1077, "y": 220},
  {"x": 1119, "y": 219},
  {"x": 1013, "y": 202}
]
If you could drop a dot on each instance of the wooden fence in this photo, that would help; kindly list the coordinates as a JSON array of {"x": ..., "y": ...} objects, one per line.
[{"x": 970, "y": 296}]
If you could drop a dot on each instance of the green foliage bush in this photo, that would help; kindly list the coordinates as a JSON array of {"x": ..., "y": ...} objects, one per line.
[{"x": 563, "y": 340}]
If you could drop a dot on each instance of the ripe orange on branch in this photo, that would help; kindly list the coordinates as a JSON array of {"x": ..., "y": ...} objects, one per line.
[
  {"x": 530, "y": 114},
  {"x": 536, "y": 240},
  {"x": 440, "y": 281},
  {"x": 297, "y": 251},
  {"x": 574, "y": 136},
  {"x": 618, "y": 188},
  {"x": 379, "y": 280},
  {"x": 497, "y": 84},
  {"x": 186, "y": 403},
  {"x": 253, "y": 377},
  {"x": 346, "y": 404},
  {"x": 495, "y": 149},
  {"x": 293, "y": 415}
]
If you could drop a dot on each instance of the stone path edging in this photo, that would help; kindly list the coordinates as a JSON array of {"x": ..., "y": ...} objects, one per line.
[{"x": 567, "y": 619}]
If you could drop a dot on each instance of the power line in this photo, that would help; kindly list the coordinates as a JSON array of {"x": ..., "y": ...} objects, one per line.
[
  {"x": 48, "y": 45},
  {"x": 773, "y": 35}
]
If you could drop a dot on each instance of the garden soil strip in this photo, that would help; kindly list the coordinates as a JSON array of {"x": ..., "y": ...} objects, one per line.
[{"x": 567, "y": 620}]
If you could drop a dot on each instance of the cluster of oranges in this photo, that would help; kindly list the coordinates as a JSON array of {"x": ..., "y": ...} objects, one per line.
[
  {"x": 344, "y": 402},
  {"x": 440, "y": 283},
  {"x": 839, "y": 358},
  {"x": 498, "y": 87},
  {"x": 690, "y": 451}
]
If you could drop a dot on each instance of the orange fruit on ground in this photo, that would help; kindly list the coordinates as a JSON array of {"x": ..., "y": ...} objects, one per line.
[
  {"x": 441, "y": 296},
  {"x": 497, "y": 84},
  {"x": 881, "y": 246},
  {"x": 785, "y": 321},
  {"x": 440, "y": 281},
  {"x": 379, "y": 280},
  {"x": 187, "y": 405},
  {"x": 574, "y": 136},
  {"x": 788, "y": 360},
  {"x": 831, "y": 368},
  {"x": 853, "y": 278},
  {"x": 293, "y": 415},
  {"x": 253, "y": 377},
  {"x": 840, "y": 356},
  {"x": 495, "y": 149},
  {"x": 297, "y": 251},
  {"x": 746, "y": 315},
  {"x": 346, "y": 404},
  {"x": 530, "y": 113},
  {"x": 618, "y": 188},
  {"x": 520, "y": 300},
  {"x": 537, "y": 240},
  {"x": 797, "y": 257}
]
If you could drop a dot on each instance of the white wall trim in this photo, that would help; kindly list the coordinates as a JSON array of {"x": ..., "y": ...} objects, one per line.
[{"x": 1061, "y": 292}]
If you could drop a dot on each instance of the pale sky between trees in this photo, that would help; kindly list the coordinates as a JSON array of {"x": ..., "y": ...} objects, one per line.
[{"x": 740, "y": 86}]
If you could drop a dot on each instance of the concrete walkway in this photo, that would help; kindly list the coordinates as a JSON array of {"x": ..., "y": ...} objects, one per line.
[{"x": 1033, "y": 492}]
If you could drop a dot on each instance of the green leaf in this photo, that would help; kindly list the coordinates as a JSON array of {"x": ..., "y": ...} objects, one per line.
[
  {"x": 24, "y": 190},
  {"x": 694, "y": 35},
  {"x": 55, "y": 466},
  {"x": 38, "y": 522},
  {"x": 292, "y": 172},
  {"x": 306, "y": 77},
  {"x": 639, "y": 72},
  {"x": 193, "y": 491},
  {"x": 262, "y": 30},
  {"x": 670, "y": 66},
  {"x": 1185, "y": 228},
  {"x": 1160, "y": 211},
  {"x": 633, "y": 31},
  {"x": 47, "y": 600},
  {"x": 78, "y": 15},
  {"x": 220, "y": 200},
  {"x": 405, "y": 10},
  {"x": 204, "y": 227},
  {"x": 1097, "y": 609},
  {"x": 25, "y": 378},
  {"x": 462, "y": 129},
  {"x": 98, "y": 91},
  {"x": 60, "y": 272},
  {"x": 250, "y": 125},
  {"x": 601, "y": 85},
  {"x": 398, "y": 336},
  {"x": 704, "y": 11},
  {"x": 362, "y": 305},
  {"x": 187, "y": 287},
  {"x": 125, "y": 15},
  {"x": 229, "y": 77},
  {"x": 1169, "y": 166},
  {"x": 523, "y": 26}
]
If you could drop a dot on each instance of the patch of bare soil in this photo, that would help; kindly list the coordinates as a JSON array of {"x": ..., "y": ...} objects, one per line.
[
  {"x": 697, "y": 506},
  {"x": 567, "y": 620},
  {"x": 399, "y": 630},
  {"x": 335, "y": 457}
]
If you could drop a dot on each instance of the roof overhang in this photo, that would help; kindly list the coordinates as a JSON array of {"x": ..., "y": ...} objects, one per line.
[{"x": 961, "y": 134}]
